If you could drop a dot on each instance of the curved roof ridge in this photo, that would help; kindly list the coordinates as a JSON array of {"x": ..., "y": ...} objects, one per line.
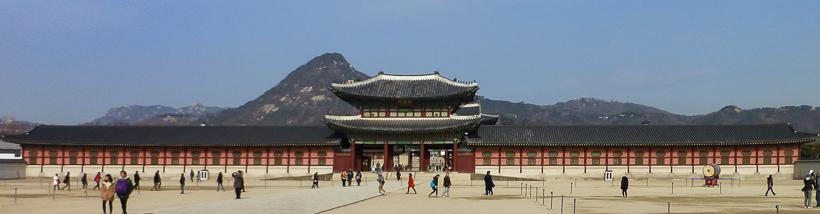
[
  {"x": 357, "y": 117},
  {"x": 395, "y": 77}
]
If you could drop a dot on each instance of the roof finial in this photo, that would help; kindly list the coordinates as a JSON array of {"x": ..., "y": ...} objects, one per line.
[
  {"x": 381, "y": 72},
  {"x": 435, "y": 72}
]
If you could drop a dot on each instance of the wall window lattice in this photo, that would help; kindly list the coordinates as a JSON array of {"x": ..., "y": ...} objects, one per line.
[
  {"x": 486, "y": 161},
  {"x": 510, "y": 161},
  {"x": 487, "y": 154},
  {"x": 616, "y": 161},
  {"x": 553, "y": 154},
  {"x": 553, "y": 161},
  {"x": 510, "y": 154},
  {"x": 573, "y": 161},
  {"x": 531, "y": 161},
  {"x": 531, "y": 154}
]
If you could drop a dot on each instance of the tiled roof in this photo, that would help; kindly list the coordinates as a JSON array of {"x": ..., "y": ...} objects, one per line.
[
  {"x": 179, "y": 135},
  {"x": 636, "y": 135},
  {"x": 405, "y": 87},
  {"x": 401, "y": 125}
]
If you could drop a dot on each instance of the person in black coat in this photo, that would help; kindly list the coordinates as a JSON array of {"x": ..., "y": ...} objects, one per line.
[
  {"x": 137, "y": 180},
  {"x": 219, "y": 182},
  {"x": 770, "y": 183},
  {"x": 315, "y": 180},
  {"x": 488, "y": 184},
  {"x": 808, "y": 187},
  {"x": 157, "y": 181},
  {"x": 624, "y": 186},
  {"x": 182, "y": 183}
]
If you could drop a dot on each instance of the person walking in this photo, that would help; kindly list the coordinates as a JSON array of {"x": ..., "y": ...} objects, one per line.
[
  {"x": 137, "y": 179},
  {"x": 107, "y": 193},
  {"x": 434, "y": 185},
  {"x": 124, "y": 187},
  {"x": 84, "y": 180},
  {"x": 411, "y": 184},
  {"x": 97, "y": 179},
  {"x": 219, "y": 182},
  {"x": 488, "y": 184},
  {"x": 398, "y": 174},
  {"x": 192, "y": 175},
  {"x": 350, "y": 177},
  {"x": 624, "y": 186},
  {"x": 344, "y": 178},
  {"x": 315, "y": 180},
  {"x": 157, "y": 181},
  {"x": 182, "y": 183},
  {"x": 447, "y": 184},
  {"x": 56, "y": 179},
  {"x": 817, "y": 188},
  {"x": 359, "y": 178},
  {"x": 67, "y": 181},
  {"x": 770, "y": 183},
  {"x": 238, "y": 183},
  {"x": 198, "y": 176},
  {"x": 381, "y": 182},
  {"x": 808, "y": 187}
]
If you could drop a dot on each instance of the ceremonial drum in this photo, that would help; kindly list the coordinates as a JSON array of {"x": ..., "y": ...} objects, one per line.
[{"x": 711, "y": 171}]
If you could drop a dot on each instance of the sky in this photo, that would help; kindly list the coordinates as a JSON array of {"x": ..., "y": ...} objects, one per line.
[{"x": 68, "y": 62}]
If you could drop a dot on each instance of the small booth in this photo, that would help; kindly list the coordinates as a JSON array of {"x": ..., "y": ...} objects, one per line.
[
  {"x": 608, "y": 175},
  {"x": 203, "y": 174}
]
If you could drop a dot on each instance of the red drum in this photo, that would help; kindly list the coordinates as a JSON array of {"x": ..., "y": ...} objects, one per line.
[{"x": 711, "y": 171}]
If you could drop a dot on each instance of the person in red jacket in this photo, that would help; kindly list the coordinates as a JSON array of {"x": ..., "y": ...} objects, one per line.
[
  {"x": 411, "y": 184},
  {"x": 97, "y": 179}
]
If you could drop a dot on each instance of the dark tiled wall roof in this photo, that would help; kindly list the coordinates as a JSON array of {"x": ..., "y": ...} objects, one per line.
[
  {"x": 623, "y": 135},
  {"x": 179, "y": 135},
  {"x": 395, "y": 87}
]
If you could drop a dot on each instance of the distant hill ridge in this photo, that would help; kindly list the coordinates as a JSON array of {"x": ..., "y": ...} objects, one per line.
[{"x": 303, "y": 98}]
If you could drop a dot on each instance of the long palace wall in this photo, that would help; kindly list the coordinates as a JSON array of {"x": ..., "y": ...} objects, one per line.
[
  {"x": 170, "y": 161},
  {"x": 642, "y": 161}
]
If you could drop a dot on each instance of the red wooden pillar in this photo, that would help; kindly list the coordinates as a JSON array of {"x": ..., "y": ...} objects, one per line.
[
  {"x": 354, "y": 157},
  {"x": 388, "y": 158},
  {"x": 423, "y": 157}
]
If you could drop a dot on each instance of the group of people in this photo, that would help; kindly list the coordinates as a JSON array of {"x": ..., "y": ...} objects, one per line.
[
  {"x": 123, "y": 186},
  {"x": 810, "y": 184},
  {"x": 347, "y": 178},
  {"x": 436, "y": 167}
]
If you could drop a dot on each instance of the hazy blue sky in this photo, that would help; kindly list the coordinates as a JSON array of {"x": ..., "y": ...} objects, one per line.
[{"x": 68, "y": 62}]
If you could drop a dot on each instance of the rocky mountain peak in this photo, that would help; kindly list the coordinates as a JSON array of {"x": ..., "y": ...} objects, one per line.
[{"x": 298, "y": 97}]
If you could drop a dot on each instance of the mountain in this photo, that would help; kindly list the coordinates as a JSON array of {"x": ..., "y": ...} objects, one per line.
[
  {"x": 582, "y": 111},
  {"x": 591, "y": 111},
  {"x": 302, "y": 98},
  {"x": 130, "y": 115},
  {"x": 803, "y": 118},
  {"x": 10, "y": 126}
]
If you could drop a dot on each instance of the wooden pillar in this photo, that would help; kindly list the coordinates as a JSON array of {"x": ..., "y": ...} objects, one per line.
[
  {"x": 310, "y": 159},
  {"x": 649, "y": 158},
  {"x": 354, "y": 158},
  {"x": 520, "y": 159},
  {"x": 500, "y": 150},
  {"x": 777, "y": 156},
  {"x": 388, "y": 157},
  {"x": 455, "y": 154},
  {"x": 423, "y": 158},
  {"x": 288, "y": 160},
  {"x": 564, "y": 159},
  {"x": 585, "y": 159},
  {"x": 628, "y": 158}
]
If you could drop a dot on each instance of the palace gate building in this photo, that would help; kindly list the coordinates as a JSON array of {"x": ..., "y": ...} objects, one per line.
[{"x": 414, "y": 121}]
